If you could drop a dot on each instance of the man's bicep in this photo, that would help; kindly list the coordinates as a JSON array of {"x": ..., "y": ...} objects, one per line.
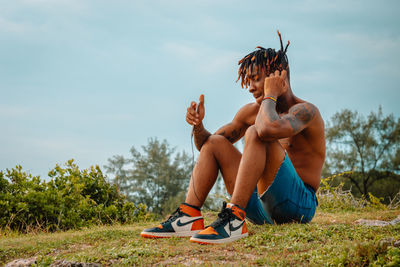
[
  {"x": 237, "y": 128},
  {"x": 299, "y": 117},
  {"x": 232, "y": 131}
]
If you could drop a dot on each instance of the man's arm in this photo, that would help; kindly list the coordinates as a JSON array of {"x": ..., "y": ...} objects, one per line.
[
  {"x": 270, "y": 126},
  {"x": 200, "y": 135},
  {"x": 232, "y": 131},
  {"x": 194, "y": 116},
  {"x": 236, "y": 129}
]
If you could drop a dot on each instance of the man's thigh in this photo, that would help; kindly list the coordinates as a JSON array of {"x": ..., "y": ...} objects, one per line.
[{"x": 228, "y": 159}]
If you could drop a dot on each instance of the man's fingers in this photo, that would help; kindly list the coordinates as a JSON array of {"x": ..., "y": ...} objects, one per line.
[
  {"x": 191, "y": 120},
  {"x": 277, "y": 73},
  {"x": 192, "y": 112},
  {"x": 201, "y": 99},
  {"x": 283, "y": 75},
  {"x": 192, "y": 117},
  {"x": 192, "y": 108},
  {"x": 201, "y": 102}
]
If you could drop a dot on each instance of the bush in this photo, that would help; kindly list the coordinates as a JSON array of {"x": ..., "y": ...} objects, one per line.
[
  {"x": 333, "y": 197},
  {"x": 73, "y": 198}
]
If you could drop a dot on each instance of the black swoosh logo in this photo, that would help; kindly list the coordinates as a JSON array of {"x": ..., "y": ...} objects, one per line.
[
  {"x": 186, "y": 223},
  {"x": 235, "y": 228}
]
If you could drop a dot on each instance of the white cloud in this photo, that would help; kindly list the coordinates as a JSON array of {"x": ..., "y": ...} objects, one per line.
[
  {"x": 13, "y": 27},
  {"x": 375, "y": 45},
  {"x": 65, "y": 4},
  {"x": 13, "y": 112},
  {"x": 182, "y": 51},
  {"x": 205, "y": 59}
]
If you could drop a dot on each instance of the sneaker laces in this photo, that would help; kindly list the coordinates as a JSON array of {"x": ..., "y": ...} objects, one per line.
[
  {"x": 223, "y": 216},
  {"x": 177, "y": 213}
]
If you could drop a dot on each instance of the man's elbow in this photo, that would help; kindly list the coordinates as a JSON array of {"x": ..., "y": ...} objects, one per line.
[{"x": 267, "y": 133}]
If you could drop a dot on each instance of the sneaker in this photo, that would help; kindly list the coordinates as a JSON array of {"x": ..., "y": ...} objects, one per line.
[
  {"x": 184, "y": 222},
  {"x": 229, "y": 226}
]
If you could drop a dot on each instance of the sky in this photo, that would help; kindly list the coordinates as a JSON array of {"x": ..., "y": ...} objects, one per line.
[{"x": 89, "y": 79}]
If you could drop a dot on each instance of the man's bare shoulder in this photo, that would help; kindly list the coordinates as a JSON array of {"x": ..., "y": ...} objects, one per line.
[
  {"x": 247, "y": 113},
  {"x": 305, "y": 111}
]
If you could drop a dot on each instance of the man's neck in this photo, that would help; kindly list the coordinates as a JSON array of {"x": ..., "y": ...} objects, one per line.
[{"x": 286, "y": 101}]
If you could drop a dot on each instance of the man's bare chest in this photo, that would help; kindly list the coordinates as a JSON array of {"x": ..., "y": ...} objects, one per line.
[{"x": 297, "y": 144}]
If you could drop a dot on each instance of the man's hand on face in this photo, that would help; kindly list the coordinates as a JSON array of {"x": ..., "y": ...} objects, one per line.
[
  {"x": 195, "y": 113},
  {"x": 276, "y": 85}
]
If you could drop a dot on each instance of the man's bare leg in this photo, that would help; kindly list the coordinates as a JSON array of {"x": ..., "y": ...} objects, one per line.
[
  {"x": 217, "y": 153},
  {"x": 258, "y": 166}
]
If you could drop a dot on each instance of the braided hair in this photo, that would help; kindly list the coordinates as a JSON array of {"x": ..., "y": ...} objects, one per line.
[{"x": 263, "y": 61}]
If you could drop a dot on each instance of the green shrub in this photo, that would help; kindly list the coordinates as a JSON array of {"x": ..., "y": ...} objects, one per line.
[
  {"x": 72, "y": 198},
  {"x": 332, "y": 197},
  {"x": 369, "y": 254}
]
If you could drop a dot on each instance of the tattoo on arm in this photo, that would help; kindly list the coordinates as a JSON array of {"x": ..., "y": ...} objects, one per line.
[
  {"x": 232, "y": 136},
  {"x": 303, "y": 114},
  {"x": 294, "y": 123},
  {"x": 200, "y": 135},
  {"x": 270, "y": 111}
]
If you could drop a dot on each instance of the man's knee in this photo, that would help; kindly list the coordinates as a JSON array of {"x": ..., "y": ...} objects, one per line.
[
  {"x": 214, "y": 141},
  {"x": 251, "y": 134}
]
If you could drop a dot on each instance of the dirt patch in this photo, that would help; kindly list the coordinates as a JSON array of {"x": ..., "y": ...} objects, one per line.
[
  {"x": 215, "y": 256},
  {"x": 59, "y": 263}
]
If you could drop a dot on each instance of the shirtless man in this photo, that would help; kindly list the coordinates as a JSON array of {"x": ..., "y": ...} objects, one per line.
[{"x": 276, "y": 177}]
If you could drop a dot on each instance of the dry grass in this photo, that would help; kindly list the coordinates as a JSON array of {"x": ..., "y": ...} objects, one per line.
[{"x": 331, "y": 239}]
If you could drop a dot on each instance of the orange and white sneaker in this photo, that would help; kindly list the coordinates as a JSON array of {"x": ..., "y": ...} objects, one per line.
[
  {"x": 229, "y": 226},
  {"x": 184, "y": 222}
]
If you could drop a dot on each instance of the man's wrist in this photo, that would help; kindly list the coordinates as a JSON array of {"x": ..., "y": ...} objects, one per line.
[
  {"x": 270, "y": 98},
  {"x": 271, "y": 94},
  {"x": 198, "y": 128}
]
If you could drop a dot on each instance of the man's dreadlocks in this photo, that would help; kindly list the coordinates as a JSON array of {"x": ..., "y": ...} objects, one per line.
[{"x": 263, "y": 61}]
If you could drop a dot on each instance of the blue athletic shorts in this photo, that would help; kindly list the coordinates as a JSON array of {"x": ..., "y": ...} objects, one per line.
[{"x": 288, "y": 199}]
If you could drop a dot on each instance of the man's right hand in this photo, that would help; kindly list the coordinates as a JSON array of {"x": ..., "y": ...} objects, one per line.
[
  {"x": 195, "y": 113},
  {"x": 276, "y": 84}
]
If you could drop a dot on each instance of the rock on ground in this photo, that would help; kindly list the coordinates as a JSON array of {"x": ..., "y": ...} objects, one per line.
[
  {"x": 378, "y": 222},
  {"x": 59, "y": 263}
]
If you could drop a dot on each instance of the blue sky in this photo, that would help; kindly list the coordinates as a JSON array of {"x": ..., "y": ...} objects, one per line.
[{"x": 89, "y": 79}]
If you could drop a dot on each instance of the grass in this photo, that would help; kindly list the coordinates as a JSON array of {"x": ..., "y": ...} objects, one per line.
[{"x": 331, "y": 239}]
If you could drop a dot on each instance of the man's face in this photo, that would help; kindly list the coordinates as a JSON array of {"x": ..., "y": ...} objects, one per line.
[{"x": 256, "y": 87}]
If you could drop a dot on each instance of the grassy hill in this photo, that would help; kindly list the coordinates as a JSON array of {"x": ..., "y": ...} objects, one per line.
[{"x": 333, "y": 238}]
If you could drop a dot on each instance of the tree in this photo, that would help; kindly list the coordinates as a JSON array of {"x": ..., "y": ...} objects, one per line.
[
  {"x": 116, "y": 166},
  {"x": 157, "y": 177},
  {"x": 370, "y": 147}
]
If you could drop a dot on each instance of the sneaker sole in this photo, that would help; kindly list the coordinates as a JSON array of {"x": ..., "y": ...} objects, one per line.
[
  {"x": 217, "y": 241},
  {"x": 166, "y": 235}
]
